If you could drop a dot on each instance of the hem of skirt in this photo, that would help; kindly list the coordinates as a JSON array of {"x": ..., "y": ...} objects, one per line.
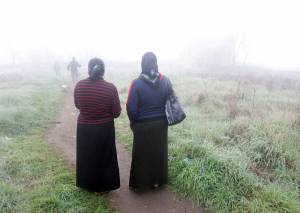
[
  {"x": 92, "y": 189},
  {"x": 148, "y": 185}
]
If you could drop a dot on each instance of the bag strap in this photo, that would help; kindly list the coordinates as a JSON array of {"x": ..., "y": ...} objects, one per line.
[{"x": 171, "y": 91}]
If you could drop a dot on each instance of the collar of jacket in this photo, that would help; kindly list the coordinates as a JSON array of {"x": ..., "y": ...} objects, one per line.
[{"x": 153, "y": 79}]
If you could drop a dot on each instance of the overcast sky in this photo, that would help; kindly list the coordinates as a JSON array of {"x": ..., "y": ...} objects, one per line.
[{"x": 126, "y": 29}]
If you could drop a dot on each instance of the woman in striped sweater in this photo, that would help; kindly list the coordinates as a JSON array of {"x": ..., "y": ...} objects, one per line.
[{"x": 98, "y": 102}]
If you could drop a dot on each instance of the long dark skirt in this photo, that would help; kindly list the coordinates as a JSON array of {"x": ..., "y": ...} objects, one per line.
[
  {"x": 149, "y": 164},
  {"x": 96, "y": 163}
]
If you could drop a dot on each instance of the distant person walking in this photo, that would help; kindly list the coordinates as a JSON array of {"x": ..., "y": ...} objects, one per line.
[
  {"x": 98, "y": 102},
  {"x": 146, "y": 111},
  {"x": 73, "y": 67},
  {"x": 56, "y": 68}
]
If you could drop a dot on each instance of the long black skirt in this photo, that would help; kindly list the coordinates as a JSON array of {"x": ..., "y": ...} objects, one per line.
[
  {"x": 149, "y": 164},
  {"x": 96, "y": 163}
]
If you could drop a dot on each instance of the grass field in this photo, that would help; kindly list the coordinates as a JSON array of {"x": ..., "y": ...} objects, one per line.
[
  {"x": 238, "y": 150},
  {"x": 32, "y": 177}
]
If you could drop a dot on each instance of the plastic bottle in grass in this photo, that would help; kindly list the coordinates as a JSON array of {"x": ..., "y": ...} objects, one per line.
[{"x": 188, "y": 160}]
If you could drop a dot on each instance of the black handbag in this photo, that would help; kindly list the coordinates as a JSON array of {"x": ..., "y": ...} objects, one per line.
[{"x": 174, "y": 110}]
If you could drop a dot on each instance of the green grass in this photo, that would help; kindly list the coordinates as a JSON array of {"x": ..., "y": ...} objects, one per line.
[
  {"x": 238, "y": 150},
  {"x": 32, "y": 177}
]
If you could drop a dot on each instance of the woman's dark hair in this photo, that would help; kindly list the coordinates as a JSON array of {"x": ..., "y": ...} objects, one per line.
[
  {"x": 96, "y": 68},
  {"x": 149, "y": 62}
]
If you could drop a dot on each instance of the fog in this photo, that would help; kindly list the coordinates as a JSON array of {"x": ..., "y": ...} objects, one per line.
[{"x": 263, "y": 33}]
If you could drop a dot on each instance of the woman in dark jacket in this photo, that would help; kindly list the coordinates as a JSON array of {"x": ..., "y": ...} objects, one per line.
[
  {"x": 98, "y": 102},
  {"x": 146, "y": 111}
]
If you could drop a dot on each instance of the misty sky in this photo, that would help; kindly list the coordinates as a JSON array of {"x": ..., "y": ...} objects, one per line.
[{"x": 126, "y": 29}]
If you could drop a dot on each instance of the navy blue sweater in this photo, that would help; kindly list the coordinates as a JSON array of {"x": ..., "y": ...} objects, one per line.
[{"x": 146, "y": 101}]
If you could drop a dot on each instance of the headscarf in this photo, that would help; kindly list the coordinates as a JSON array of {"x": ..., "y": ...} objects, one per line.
[
  {"x": 96, "y": 68},
  {"x": 149, "y": 68}
]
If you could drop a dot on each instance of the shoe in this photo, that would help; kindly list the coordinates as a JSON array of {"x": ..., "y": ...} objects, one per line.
[
  {"x": 155, "y": 186},
  {"x": 134, "y": 189}
]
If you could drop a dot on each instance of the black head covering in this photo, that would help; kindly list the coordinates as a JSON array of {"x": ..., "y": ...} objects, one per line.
[
  {"x": 149, "y": 63},
  {"x": 149, "y": 68},
  {"x": 96, "y": 68}
]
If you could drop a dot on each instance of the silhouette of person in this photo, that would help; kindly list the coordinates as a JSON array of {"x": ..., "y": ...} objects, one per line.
[
  {"x": 56, "y": 68},
  {"x": 73, "y": 67}
]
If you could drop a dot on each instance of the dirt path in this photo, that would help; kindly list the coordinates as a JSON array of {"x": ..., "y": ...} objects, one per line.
[{"x": 61, "y": 136}]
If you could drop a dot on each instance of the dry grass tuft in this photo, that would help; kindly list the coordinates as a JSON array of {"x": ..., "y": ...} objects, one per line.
[
  {"x": 232, "y": 105},
  {"x": 237, "y": 128}
]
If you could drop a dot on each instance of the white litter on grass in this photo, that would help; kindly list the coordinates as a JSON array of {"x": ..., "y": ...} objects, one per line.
[
  {"x": 4, "y": 141},
  {"x": 188, "y": 161},
  {"x": 64, "y": 86}
]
